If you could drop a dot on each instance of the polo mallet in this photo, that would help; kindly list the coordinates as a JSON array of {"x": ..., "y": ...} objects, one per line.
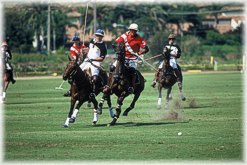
[
  {"x": 153, "y": 57},
  {"x": 145, "y": 62},
  {"x": 85, "y": 24},
  {"x": 60, "y": 87}
]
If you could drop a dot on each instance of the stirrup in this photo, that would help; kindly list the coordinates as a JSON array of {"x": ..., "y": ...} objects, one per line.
[
  {"x": 153, "y": 84},
  {"x": 131, "y": 90},
  {"x": 92, "y": 95}
]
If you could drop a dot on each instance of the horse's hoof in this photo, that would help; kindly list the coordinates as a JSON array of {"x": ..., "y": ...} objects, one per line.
[
  {"x": 183, "y": 98},
  {"x": 72, "y": 120},
  {"x": 113, "y": 122},
  {"x": 94, "y": 123},
  {"x": 158, "y": 106},
  {"x": 110, "y": 124},
  {"x": 65, "y": 126}
]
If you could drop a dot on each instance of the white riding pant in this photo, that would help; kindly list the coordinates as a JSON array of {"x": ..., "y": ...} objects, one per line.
[
  {"x": 173, "y": 63},
  {"x": 8, "y": 66},
  {"x": 129, "y": 62},
  {"x": 94, "y": 70}
]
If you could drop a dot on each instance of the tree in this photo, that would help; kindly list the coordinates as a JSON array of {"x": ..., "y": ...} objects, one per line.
[
  {"x": 179, "y": 14},
  {"x": 36, "y": 17},
  {"x": 18, "y": 30}
]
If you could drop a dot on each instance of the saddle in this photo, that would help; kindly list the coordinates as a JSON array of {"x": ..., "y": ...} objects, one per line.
[{"x": 102, "y": 77}]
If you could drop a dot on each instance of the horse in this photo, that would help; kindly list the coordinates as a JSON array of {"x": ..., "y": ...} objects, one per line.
[
  {"x": 167, "y": 79},
  {"x": 119, "y": 84},
  {"x": 80, "y": 90}
]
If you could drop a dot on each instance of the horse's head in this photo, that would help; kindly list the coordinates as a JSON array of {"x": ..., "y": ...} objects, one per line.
[
  {"x": 70, "y": 69},
  {"x": 119, "y": 48}
]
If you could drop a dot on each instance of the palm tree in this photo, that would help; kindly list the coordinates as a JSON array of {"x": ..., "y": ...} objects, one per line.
[{"x": 36, "y": 15}]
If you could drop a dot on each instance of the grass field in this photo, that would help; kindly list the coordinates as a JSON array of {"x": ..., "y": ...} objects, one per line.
[{"x": 210, "y": 121}]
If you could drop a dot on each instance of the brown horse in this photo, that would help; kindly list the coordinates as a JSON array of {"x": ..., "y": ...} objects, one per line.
[
  {"x": 81, "y": 88},
  {"x": 119, "y": 84},
  {"x": 167, "y": 79}
]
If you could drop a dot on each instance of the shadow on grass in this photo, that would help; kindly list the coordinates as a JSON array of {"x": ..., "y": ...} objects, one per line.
[
  {"x": 132, "y": 124},
  {"x": 197, "y": 107}
]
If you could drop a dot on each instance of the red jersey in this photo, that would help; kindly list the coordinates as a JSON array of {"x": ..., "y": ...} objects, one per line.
[
  {"x": 76, "y": 50},
  {"x": 132, "y": 44}
]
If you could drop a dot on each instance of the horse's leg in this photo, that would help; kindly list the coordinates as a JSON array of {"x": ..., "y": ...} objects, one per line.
[
  {"x": 181, "y": 92},
  {"x": 6, "y": 84},
  {"x": 159, "y": 96},
  {"x": 101, "y": 103},
  {"x": 180, "y": 86},
  {"x": 6, "y": 81},
  {"x": 168, "y": 97},
  {"x": 108, "y": 99},
  {"x": 95, "y": 110},
  {"x": 75, "y": 111},
  {"x": 72, "y": 106},
  {"x": 132, "y": 105},
  {"x": 118, "y": 109}
]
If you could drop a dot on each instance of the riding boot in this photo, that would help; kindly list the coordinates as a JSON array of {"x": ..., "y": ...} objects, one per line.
[
  {"x": 132, "y": 84},
  {"x": 12, "y": 76},
  {"x": 179, "y": 77}
]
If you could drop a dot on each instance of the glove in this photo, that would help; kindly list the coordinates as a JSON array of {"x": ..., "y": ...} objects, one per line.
[
  {"x": 140, "y": 59},
  {"x": 166, "y": 51}
]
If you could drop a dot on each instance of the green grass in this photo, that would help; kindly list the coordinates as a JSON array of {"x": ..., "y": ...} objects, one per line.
[{"x": 210, "y": 120}]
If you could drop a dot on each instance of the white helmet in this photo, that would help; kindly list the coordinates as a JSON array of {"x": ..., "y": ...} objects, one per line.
[{"x": 133, "y": 26}]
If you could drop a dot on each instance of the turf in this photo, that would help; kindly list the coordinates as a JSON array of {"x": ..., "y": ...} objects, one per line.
[{"x": 210, "y": 121}]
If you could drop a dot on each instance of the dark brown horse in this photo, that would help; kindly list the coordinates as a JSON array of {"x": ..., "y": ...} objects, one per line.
[
  {"x": 119, "y": 84},
  {"x": 167, "y": 79},
  {"x": 81, "y": 88}
]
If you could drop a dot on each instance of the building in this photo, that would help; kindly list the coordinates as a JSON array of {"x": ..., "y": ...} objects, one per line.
[{"x": 229, "y": 19}]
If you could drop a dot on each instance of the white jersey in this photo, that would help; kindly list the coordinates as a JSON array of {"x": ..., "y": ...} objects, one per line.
[
  {"x": 174, "y": 50},
  {"x": 96, "y": 49}
]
